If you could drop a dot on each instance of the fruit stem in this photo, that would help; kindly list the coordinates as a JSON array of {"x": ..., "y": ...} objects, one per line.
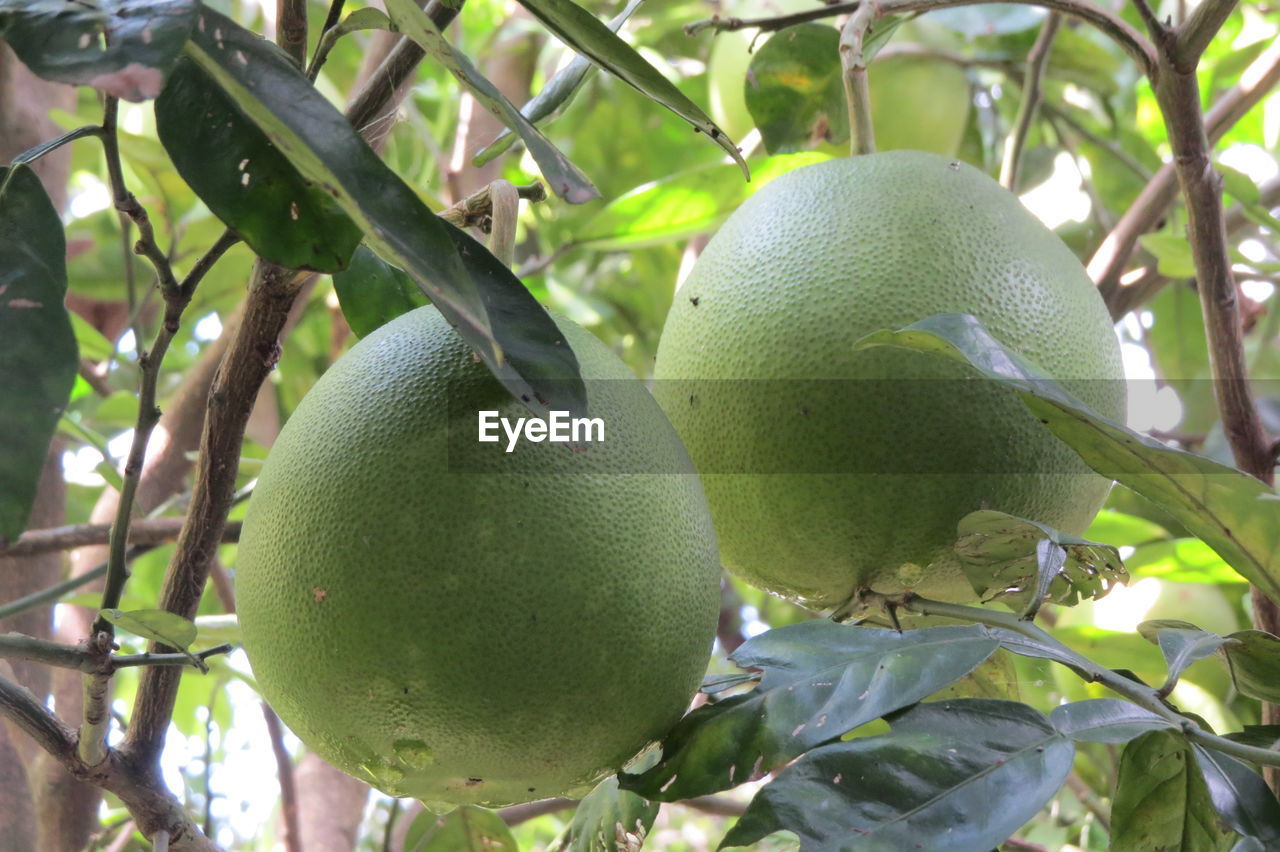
[
  {"x": 505, "y": 202},
  {"x": 857, "y": 91}
]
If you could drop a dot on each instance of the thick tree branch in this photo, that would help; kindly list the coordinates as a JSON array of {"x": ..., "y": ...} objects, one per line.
[
  {"x": 144, "y": 531},
  {"x": 291, "y": 30},
  {"x": 21, "y": 707},
  {"x": 1032, "y": 84}
]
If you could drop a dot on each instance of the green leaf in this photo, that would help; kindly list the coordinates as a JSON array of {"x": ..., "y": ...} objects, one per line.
[
  {"x": 586, "y": 35},
  {"x": 478, "y": 295},
  {"x": 38, "y": 356},
  {"x": 681, "y": 205},
  {"x": 608, "y": 820},
  {"x": 246, "y": 181},
  {"x": 1235, "y": 514},
  {"x": 794, "y": 90},
  {"x": 820, "y": 680},
  {"x": 158, "y": 625},
  {"x": 963, "y": 774},
  {"x": 1258, "y": 736},
  {"x": 554, "y": 95},
  {"x": 1172, "y": 253},
  {"x": 1003, "y": 556},
  {"x": 1161, "y": 803},
  {"x": 1241, "y": 187},
  {"x": 1254, "y": 659},
  {"x": 565, "y": 179},
  {"x": 1105, "y": 720},
  {"x": 1240, "y": 796},
  {"x": 465, "y": 828},
  {"x": 1181, "y": 643},
  {"x": 123, "y": 47},
  {"x": 372, "y": 292},
  {"x": 367, "y": 18}
]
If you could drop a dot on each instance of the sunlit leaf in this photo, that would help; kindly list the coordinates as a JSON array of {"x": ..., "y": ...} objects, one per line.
[{"x": 158, "y": 625}]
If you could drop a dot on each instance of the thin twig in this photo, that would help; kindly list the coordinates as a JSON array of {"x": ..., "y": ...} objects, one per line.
[
  {"x": 1090, "y": 800},
  {"x": 1032, "y": 88},
  {"x": 284, "y": 773},
  {"x": 857, "y": 91},
  {"x": 149, "y": 531},
  {"x": 517, "y": 814},
  {"x": 1195, "y": 33}
]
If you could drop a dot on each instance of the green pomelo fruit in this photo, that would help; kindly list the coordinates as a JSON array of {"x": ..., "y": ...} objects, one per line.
[
  {"x": 454, "y": 623},
  {"x": 830, "y": 470}
]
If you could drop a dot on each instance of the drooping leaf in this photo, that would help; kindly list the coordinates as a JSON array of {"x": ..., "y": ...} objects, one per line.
[
  {"x": 586, "y": 35},
  {"x": 1181, "y": 643},
  {"x": 1240, "y": 796},
  {"x": 1105, "y": 720},
  {"x": 1161, "y": 801},
  {"x": 794, "y": 90},
  {"x": 38, "y": 354},
  {"x": 246, "y": 181},
  {"x": 158, "y": 625},
  {"x": 372, "y": 292},
  {"x": 565, "y": 179},
  {"x": 552, "y": 98},
  {"x": 961, "y": 774},
  {"x": 608, "y": 820},
  {"x": 466, "y": 828},
  {"x": 368, "y": 18},
  {"x": 1007, "y": 558},
  {"x": 820, "y": 680},
  {"x": 1234, "y": 513},
  {"x": 1254, "y": 659},
  {"x": 481, "y": 298},
  {"x": 123, "y": 47}
]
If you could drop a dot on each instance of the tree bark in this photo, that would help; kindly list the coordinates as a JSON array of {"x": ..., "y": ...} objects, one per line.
[{"x": 330, "y": 806}]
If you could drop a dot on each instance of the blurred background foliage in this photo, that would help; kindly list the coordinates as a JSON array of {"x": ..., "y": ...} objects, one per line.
[{"x": 948, "y": 81}]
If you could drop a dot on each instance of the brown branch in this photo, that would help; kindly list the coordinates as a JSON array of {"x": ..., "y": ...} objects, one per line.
[
  {"x": 145, "y": 531},
  {"x": 291, "y": 30},
  {"x": 715, "y": 805},
  {"x": 1195, "y": 33},
  {"x": 1032, "y": 84},
  {"x": 476, "y": 210},
  {"x": 284, "y": 773}
]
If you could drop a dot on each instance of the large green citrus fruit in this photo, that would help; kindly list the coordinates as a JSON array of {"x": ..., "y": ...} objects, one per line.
[
  {"x": 827, "y": 469},
  {"x": 454, "y": 623}
]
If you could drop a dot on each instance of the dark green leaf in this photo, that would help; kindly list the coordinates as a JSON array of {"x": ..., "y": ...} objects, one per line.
[
  {"x": 246, "y": 181},
  {"x": 962, "y": 774},
  {"x": 1181, "y": 643},
  {"x": 1105, "y": 720},
  {"x": 580, "y": 30},
  {"x": 1008, "y": 557},
  {"x": 123, "y": 47},
  {"x": 1254, "y": 659},
  {"x": 479, "y": 296},
  {"x": 1161, "y": 803},
  {"x": 158, "y": 625},
  {"x": 820, "y": 680},
  {"x": 608, "y": 820},
  {"x": 565, "y": 179},
  {"x": 1258, "y": 736},
  {"x": 466, "y": 828},
  {"x": 38, "y": 355},
  {"x": 1240, "y": 796},
  {"x": 554, "y": 95},
  {"x": 372, "y": 292},
  {"x": 794, "y": 90},
  {"x": 1233, "y": 512}
]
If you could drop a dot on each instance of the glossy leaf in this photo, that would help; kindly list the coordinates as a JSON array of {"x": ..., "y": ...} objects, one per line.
[
  {"x": 608, "y": 820},
  {"x": 1240, "y": 796},
  {"x": 372, "y": 292},
  {"x": 123, "y": 47},
  {"x": 565, "y": 179},
  {"x": 794, "y": 90},
  {"x": 963, "y": 774},
  {"x": 38, "y": 356},
  {"x": 1231, "y": 511},
  {"x": 1181, "y": 643},
  {"x": 158, "y": 625},
  {"x": 465, "y": 828},
  {"x": 1105, "y": 720},
  {"x": 479, "y": 296},
  {"x": 820, "y": 680},
  {"x": 586, "y": 35},
  {"x": 1254, "y": 659},
  {"x": 552, "y": 98},
  {"x": 246, "y": 181},
  {"x": 1259, "y": 736},
  {"x": 1025, "y": 561},
  {"x": 1161, "y": 803}
]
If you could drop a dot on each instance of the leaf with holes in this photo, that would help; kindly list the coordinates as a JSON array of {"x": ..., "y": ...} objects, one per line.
[
  {"x": 820, "y": 680},
  {"x": 961, "y": 774},
  {"x": 123, "y": 47},
  {"x": 608, "y": 820},
  {"x": 38, "y": 357}
]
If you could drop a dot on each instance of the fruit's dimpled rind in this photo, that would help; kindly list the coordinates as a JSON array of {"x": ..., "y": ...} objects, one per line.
[
  {"x": 824, "y": 477},
  {"x": 464, "y": 636}
]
